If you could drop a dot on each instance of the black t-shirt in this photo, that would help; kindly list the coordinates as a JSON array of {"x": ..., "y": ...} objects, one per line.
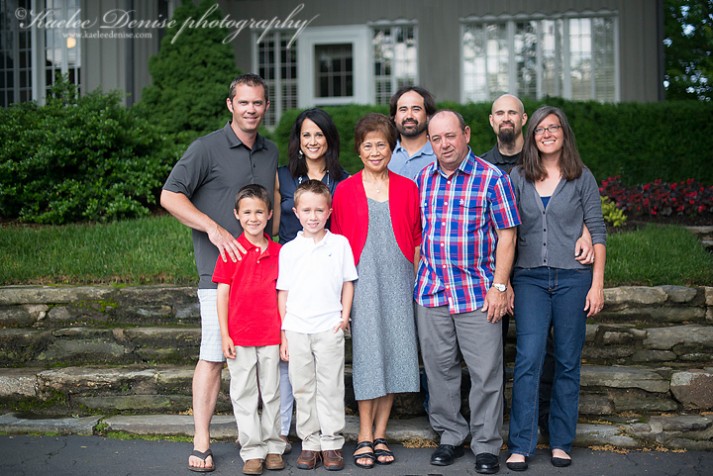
[{"x": 503, "y": 162}]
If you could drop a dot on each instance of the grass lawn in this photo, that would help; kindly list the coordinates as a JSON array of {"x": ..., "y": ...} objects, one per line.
[
  {"x": 158, "y": 250},
  {"x": 143, "y": 251}
]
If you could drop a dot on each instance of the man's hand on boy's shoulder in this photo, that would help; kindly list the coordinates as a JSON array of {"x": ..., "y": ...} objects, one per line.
[{"x": 226, "y": 243}]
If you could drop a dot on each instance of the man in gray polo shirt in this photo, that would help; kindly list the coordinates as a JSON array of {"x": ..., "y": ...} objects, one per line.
[{"x": 200, "y": 193}]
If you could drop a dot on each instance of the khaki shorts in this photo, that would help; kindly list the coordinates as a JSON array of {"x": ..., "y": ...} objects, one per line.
[{"x": 211, "y": 342}]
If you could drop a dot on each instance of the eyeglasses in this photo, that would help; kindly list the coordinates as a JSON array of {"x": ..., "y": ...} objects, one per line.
[
  {"x": 551, "y": 129},
  {"x": 368, "y": 147}
]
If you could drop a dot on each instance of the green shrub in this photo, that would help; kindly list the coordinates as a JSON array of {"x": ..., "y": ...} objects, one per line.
[
  {"x": 77, "y": 159},
  {"x": 613, "y": 215},
  {"x": 190, "y": 77},
  {"x": 640, "y": 143}
]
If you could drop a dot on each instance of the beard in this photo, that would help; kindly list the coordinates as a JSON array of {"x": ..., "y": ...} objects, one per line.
[
  {"x": 506, "y": 136},
  {"x": 415, "y": 129}
]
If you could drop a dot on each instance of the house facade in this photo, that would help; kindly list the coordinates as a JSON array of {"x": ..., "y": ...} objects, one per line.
[{"x": 328, "y": 52}]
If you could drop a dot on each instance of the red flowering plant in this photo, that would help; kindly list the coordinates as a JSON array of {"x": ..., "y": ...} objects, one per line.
[{"x": 686, "y": 199}]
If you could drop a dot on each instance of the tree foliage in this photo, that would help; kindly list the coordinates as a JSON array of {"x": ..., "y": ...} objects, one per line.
[
  {"x": 688, "y": 48},
  {"x": 190, "y": 74}
]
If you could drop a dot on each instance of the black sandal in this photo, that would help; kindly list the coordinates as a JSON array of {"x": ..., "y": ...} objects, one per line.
[
  {"x": 367, "y": 455},
  {"x": 204, "y": 456},
  {"x": 382, "y": 453}
]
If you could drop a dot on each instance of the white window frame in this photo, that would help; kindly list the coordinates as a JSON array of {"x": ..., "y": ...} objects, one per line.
[
  {"x": 277, "y": 100},
  {"x": 510, "y": 20},
  {"x": 391, "y": 24},
  {"x": 359, "y": 36}
]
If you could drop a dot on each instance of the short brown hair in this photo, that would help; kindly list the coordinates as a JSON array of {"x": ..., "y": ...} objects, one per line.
[
  {"x": 253, "y": 190},
  {"x": 374, "y": 122},
  {"x": 250, "y": 79},
  {"x": 313, "y": 186}
]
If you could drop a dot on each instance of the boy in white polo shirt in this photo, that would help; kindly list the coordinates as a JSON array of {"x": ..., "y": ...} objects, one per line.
[{"x": 315, "y": 292}]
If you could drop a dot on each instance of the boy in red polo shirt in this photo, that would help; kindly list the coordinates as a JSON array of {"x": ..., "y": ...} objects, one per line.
[{"x": 250, "y": 331}]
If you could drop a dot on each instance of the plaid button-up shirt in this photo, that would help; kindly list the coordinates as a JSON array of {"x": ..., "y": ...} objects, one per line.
[{"x": 459, "y": 216}]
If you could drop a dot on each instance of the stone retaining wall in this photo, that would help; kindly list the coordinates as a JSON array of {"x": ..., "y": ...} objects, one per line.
[{"x": 650, "y": 351}]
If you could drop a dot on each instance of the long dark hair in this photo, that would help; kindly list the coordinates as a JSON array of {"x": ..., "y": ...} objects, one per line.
[
  {"x": 570, "y": 163},
  {"x": 298, "y": 165}
]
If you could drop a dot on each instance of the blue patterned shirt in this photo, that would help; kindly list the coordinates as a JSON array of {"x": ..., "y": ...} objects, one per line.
[{"x": 459, "y": 216}]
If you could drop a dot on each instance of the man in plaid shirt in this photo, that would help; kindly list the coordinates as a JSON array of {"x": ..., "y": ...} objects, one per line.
[{"x": 469, "y": 216}]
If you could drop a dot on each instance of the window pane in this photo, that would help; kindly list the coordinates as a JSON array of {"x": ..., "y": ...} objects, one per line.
[
  {"x": 551, "y": 52},
  {"x": 15, "y": 55},
  {"x": 603, "y": 59},
  {"x": 526, "y": 58},
  {"x": 572, "y": 58},
  {"x": 277, "y": 64},
  {"x": 62, "y": 45},
  {"x": 580, "y": 58},
  {"x": 334, "y": 75},
  {"x": 395, "y": 60}
]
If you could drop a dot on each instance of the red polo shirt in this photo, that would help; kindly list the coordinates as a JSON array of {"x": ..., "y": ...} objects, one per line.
[{"x": 253, "y": 318}]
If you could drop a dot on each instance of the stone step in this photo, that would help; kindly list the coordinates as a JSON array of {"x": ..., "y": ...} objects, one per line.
[
  {"x": 52, "y": 307},
  {"x": 674, "y": 432},
  {"x": 605, "y": 391},
  {"x": 89, "y": 345},
  {"x": 622, "y": 343}
]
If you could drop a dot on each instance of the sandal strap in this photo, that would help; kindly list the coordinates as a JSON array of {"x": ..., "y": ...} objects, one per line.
[
  {"x": 366, "y": 455},
  {"x": 202, "y": 454},
  {"x": 364, "y": 444},
  {"x": 382, "y": 452}
]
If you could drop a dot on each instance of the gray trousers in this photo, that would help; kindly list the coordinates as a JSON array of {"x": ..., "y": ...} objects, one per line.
[{"x": 444, "y": 338}]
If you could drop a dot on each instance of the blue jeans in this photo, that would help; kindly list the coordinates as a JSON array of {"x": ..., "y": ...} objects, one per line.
[{"x": 547, "y": 297}]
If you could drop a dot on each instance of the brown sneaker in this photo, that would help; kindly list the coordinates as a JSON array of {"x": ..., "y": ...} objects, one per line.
[
  {"x": 274, "y": 462},
  {"x": 333, "y": 460},
  {"x": 252, "y": 466},
  {"x": 309, "y": 459}
]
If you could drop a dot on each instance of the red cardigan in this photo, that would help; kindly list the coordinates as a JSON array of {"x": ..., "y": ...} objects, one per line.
[{"x": 350, "y": 213}]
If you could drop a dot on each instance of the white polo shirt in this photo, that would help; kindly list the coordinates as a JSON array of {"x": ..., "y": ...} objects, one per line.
[{"x": 313, "y": 274}]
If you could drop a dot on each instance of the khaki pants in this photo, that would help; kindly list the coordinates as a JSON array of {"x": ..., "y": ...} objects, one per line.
[
  {"x": 317, "y": 375},
  {"x": 255, "y": 374}
]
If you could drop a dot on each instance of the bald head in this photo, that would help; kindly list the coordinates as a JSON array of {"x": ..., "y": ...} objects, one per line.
[
  {"x": 507, "y": 117},
  {"x": 508, "y": 101}
]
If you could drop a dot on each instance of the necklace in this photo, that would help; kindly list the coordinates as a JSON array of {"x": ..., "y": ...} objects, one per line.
[
  {"x": 304, "y": 178},
  {"x": 376, "y": 185}
]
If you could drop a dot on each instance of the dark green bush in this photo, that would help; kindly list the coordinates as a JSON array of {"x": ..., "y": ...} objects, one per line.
[
  {"x": 78, "y": 159},
  {"x": 190, "y": 76},
  {"x": 671, "y": 141}
]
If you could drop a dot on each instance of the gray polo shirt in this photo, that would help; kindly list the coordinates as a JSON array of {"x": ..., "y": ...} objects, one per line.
[
  {"x": 547, "y": 236},
  {"x": 210, "y": 173},
  {"x": 409, "y": 166}
]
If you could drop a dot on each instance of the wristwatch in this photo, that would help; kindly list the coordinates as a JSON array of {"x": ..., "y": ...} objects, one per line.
[{"x": 500, "y": 287}]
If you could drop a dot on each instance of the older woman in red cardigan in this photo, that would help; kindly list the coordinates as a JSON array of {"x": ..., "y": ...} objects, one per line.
[{"x": 378, "y": 212}]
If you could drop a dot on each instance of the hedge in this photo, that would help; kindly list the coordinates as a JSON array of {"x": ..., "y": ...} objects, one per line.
[{"x": 671, "y": 141}]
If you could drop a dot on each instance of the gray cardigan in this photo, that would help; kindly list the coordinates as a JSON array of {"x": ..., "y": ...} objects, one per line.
[{"x": 547, "y": 236}]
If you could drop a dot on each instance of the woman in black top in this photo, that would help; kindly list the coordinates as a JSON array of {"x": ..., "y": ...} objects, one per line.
[{"x": 313, "y": 154}]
